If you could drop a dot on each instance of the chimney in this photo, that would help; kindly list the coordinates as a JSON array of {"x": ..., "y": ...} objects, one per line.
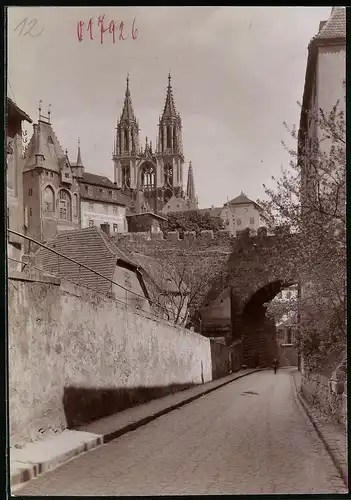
[{"x": 105, "y": 228}]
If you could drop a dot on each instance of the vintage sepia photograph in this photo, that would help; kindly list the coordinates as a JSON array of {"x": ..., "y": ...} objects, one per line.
[{"x": 176, "y": 251}]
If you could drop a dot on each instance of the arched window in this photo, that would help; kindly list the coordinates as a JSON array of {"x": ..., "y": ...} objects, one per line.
[
  {"x": 125, "y": 176},
  {"x": 168, "y": 174},
  {"x": 75, "y": 205},
  {"x": 65, "y": 212},
  {"x": 126, "y": 139},
  {"x": 147, "y": 176},
  {"x": 169, "y": 137},
  {"x": 49, "y": 200}
]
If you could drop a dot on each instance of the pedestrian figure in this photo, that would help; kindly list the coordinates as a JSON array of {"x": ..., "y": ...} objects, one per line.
[{"x": 275, "y": 365}]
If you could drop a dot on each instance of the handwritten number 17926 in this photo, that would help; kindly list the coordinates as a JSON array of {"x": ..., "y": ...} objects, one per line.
[{"x": 30, "y": 26}]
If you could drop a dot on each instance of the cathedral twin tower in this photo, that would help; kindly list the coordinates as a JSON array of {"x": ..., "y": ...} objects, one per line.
[{"x": 152, "y": 177}]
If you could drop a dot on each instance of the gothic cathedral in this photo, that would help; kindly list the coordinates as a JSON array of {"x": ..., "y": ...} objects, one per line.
[{"x": 151, "y": 177}]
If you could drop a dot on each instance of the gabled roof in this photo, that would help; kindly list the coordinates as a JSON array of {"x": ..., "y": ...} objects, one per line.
[
  {"x": 151, "y": 214},
  {"x": 98, "y": 180},
  {"x": 87, "y": 246},
  {"x": 241, "y": 199},
  {"x": 157, "y": 271},
  {"x": 173, "y": 201},
  {"x": 212, "y": 211},
  {"x": 13, "y": 109},
  {"x": 335, "y": 27},
  {"x": 46, "y": 143}
]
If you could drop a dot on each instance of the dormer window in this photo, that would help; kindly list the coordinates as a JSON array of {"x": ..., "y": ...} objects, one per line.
[{"x": 103, "y": 193}]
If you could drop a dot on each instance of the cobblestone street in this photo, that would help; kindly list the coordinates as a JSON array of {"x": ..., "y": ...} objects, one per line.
[{"x": 227, "y": 442}]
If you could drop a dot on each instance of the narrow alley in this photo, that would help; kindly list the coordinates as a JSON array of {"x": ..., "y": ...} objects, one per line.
[{"x": 249, "y": 437}]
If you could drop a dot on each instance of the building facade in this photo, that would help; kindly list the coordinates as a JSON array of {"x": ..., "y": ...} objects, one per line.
[
  {"x": 242, "y": 213},
  {"x": 151, "y": 176},
  {"x": 50, "y": 185},
  {"x": 59, "y": 195},
  {"x": 102, "y": 204},
  {"x": 324, "y": 86},
  {"x": 14, "y": 170}
]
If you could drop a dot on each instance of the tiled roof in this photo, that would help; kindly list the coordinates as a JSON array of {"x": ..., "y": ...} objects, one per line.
[
  {"x": 87, "y": 246},
  {"x": 151, "y": 214},
  {"x": 212, "y": 211},
  {"x": 49, "y": 146},
  {"x": 98, "y": 180},
  {"x": 158, "y": 273},
  {"x": 13, "y": 108},
  {"x": 335, "y": 27},
  {"x": 242, "y": 198}
]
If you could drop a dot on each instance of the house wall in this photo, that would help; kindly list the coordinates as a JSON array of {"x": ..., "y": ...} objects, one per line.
[
  {"x": 128, "y": 279},
  {"x": 75, "y": 355},
  {"x": 242, "y": 215},
  {"x": 331, "y": 73},
  {"x": 15, "y": 190},
  {"x": 104, "y": 213}
]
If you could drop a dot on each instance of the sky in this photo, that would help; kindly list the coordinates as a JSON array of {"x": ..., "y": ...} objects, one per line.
[{"x": 237, "y": 74}]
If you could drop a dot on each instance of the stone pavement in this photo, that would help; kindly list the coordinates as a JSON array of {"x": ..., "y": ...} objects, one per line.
[
  {"x": 35, "y": 458},
  {"x": 333, "y": 435},
  {"x": 250, "y": 436}
]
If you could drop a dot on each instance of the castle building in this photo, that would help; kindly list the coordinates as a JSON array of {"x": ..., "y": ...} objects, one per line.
[
  {"x": 14, "y": 167},
  {"x": 152, "y": 177},
  {"x": 50, "y": 184},
  {"x": 59, "y": 195}
]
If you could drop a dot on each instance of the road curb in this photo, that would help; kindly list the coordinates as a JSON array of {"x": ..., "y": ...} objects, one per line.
[
  {"x": 35, "y": 469},
  {"x": 334, "y": 457},
  {"x": 110, "y": 436}
]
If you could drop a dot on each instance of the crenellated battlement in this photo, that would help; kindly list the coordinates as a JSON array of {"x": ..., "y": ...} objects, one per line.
[{"x": 205, "y": 237}]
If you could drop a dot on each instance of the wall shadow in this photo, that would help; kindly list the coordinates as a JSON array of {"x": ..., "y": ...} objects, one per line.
[{"x": 84, "y": 405}]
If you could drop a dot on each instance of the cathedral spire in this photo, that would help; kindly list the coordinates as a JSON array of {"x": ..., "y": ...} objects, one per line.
[
  {"x": 169, "y": 110},
  {"x": 79, "y": 158},
  {"x": 128, "y": 112},
  {"x": 190, "y": 188}
]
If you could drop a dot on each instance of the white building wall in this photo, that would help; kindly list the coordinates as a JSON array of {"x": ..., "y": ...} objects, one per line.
[
  {"x": 103, "y": 213},
  {"x": 243, "y": 217}
]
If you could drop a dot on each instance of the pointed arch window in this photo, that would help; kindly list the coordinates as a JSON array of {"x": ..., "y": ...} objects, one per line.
[
  {"x": 125, "y": 176},
  {"x": 168, "y": 174},
  {"x": 169, "y": 137},
  {"x": 49, "y": 200},
  {"x": 65, "y": 209},
  {"x": 75, "y": 205},
  {"x": 148, "y": 176},
  {"x": 126, "y": 139}
]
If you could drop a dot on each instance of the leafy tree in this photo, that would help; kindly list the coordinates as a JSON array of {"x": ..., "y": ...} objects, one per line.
[
  {"x": 191, "y": 220},
  {"x": 180, "y": 280},
  {"x": 309, "y": 198}
]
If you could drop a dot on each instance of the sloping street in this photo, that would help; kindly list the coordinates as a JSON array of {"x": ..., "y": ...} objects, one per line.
[{"x": 248, "y": 437}]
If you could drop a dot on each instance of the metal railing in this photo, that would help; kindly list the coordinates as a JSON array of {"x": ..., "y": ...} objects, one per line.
[{"x": 168, "y": 311}]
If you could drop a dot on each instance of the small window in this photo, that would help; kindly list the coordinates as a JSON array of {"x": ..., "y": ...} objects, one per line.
[
  {"x": 115, "y": 210},
  {"x": 91, "y": 206},
  {"x": 32, "y": 173},
  {"x": 252, "y": 220},
  {"x": 110, "y": 193},
  {"x": 238, "y": 221},
  {"x": 168, "y": 206},
  {"x": 91, "y": 223},
  {"x": 52, "y": 174},
  {"x": 46, "y": 172},
  {"x": 90, "y": 191},
  {"x": 103, "y": 191},
  {"x": 30, "y": 192},
  {"x": 30, "y": 211},
  {"x": 66, "y": 175},
  {"x": 114, "y": 195},
  {"x": 115, "y": 228}
]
